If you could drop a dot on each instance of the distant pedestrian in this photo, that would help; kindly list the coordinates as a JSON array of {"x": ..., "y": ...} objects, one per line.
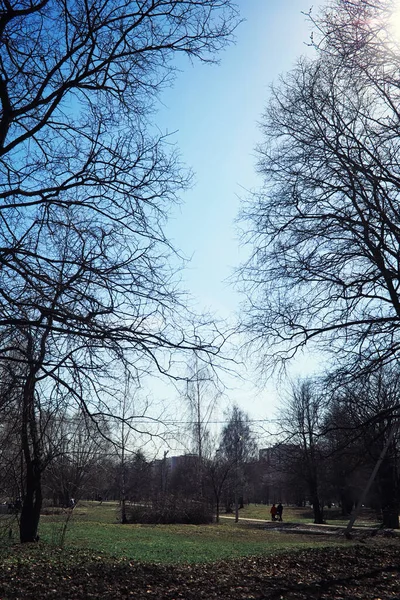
[
  {"x": 279, "y": 511},
  {"x": 273, "y": 512}
]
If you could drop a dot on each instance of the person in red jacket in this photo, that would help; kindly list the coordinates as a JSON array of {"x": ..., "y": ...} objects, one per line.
[{"x": 273, "y": 512}]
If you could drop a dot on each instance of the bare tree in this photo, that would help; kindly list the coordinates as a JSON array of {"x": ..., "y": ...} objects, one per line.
[
  {"x": 86, "y": 282},
  {"x": 325, "y": 228},
  {"x": 372, "y": 408},
  {"x": 202, "y": 394},
  {"x": 76, "y": 446},
  {"x": 302, "y": 425},
  {"x": 217, "y": 470},
  {"x": 237, "y": 446},
  {"x": 132, "y": 428},
  {"x": 345, "y": 464}
]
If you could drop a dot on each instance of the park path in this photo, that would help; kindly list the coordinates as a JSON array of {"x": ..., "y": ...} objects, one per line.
[{"x": 315, "y": 528}]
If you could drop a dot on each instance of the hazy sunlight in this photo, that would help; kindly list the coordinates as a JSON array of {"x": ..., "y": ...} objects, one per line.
[{"x": 395, "y": 19}]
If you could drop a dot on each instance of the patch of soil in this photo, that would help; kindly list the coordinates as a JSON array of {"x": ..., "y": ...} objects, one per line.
[{"x": 365, "y": 571}]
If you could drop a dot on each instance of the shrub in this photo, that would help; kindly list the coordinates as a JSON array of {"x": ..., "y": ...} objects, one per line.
[{"x": 171, "y": 509}]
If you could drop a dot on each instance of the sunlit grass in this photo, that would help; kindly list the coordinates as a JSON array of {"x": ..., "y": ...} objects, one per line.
[
  {"x": 173, "y": 543},
  {"x": 95, "y": 527},
  {"x": 293, "y": 514},
  {"x": 262, "y": 512}
]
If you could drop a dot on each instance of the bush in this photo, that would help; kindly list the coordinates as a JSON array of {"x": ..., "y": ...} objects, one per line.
[
  {"x": 171, "y": 510},
  {"x": 52, "y": 511}
]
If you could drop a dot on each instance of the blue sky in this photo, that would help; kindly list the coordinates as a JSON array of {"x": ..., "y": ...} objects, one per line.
[{"x": 215, "y": 112}]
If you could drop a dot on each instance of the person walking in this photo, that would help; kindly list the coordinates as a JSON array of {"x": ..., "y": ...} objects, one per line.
[
  {"x": 279, "y": 511},
  {"x": 273, "y": 512}
]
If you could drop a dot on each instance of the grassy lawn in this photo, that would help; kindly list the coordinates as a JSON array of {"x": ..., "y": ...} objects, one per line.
[
  {"x": 292, "y": 514},
  {"x": 103, "y": 559},
  {"x": 94, "y": 526}
]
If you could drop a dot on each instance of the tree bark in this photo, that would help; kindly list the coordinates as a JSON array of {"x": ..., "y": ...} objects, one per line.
[
  {"x": 217, "y": 510},
  {"x": 318, "y": 512},
  {"x": 31, "y": 507},
  {"x": 31, "y": 447}
]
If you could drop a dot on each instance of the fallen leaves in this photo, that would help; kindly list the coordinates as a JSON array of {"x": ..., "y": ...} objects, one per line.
[{"x": 367, "y": 572}]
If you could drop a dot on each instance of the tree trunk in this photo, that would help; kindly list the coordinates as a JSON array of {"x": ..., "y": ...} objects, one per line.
[
  {"x": 236, "y": 506},
  {"x": 124, "y": 519},
  {"x": 318, "y": 511},
  {"x": 388, "y": 482},
  {"x": 347, "y": 503},
  {"x": 217, "y": 510},
  {"x": 31, "y": 448},
  {"x": 31, "y": 506},
  {"x": 390, "y": 516}
]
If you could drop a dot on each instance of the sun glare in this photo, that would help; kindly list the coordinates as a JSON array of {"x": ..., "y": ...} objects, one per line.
[{"x": 395, "y": 19}]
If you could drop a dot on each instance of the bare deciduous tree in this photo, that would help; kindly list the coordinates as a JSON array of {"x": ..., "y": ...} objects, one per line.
[
  {"x": 237, "y": 446},
  {"x": 86, "y": 281},
  {"x": 325, "y": 229},
  {"x": 371, "y": 404},
  {"x": 301, "y": 424},
  {"x": 202, "y": 394}
]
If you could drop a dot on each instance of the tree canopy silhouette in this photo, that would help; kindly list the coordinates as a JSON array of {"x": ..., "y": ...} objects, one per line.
[
  {"x": 87, "y": 281},
  {"x": 324, "y": 231}
]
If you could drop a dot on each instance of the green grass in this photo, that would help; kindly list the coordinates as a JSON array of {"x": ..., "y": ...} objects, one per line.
[
  {"x": 95, "y": 527},
  {"x": 262, "y": 511},
  {"x": 305, "y": 515}
]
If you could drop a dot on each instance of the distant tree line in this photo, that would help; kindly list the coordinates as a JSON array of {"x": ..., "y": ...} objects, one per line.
[
  {"x": 333, "y": 434},
  {"x": 87, "y": 465},
  {"x": 330, "y": 439}
]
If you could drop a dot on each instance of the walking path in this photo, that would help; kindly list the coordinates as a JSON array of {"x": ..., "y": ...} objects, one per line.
[{"x": 316, "y": 528}]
